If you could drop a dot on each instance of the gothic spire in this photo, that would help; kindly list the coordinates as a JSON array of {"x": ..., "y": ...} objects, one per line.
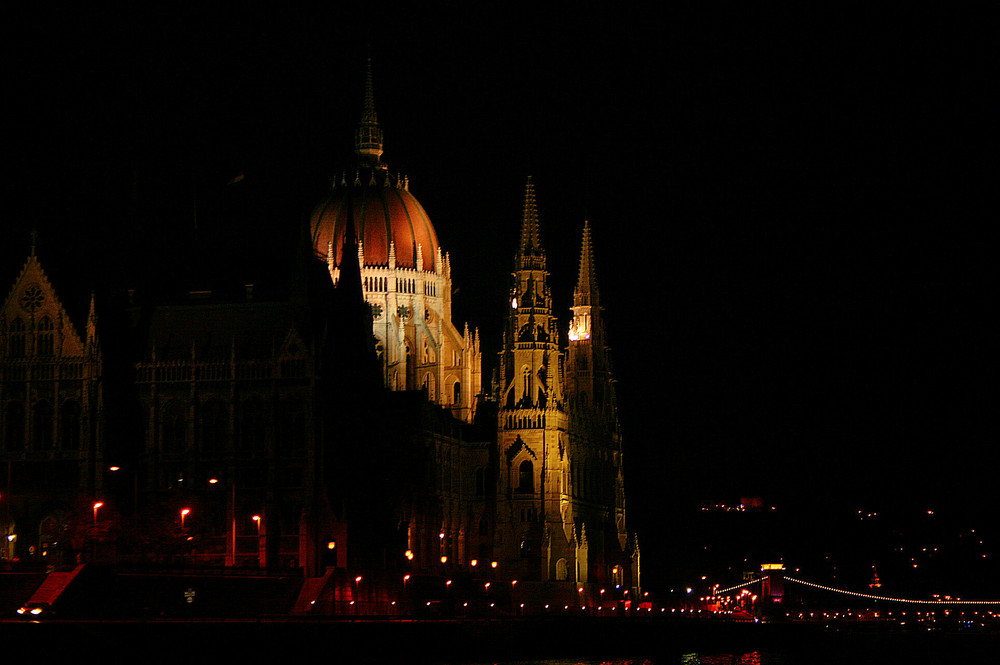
[
  {"x": 586, "y": 283},
  {"x": 368, "y": 138},
  {"x": 531, "y": 242}
]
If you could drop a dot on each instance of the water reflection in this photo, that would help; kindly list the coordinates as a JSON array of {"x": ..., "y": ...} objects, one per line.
[{"x": 752, "y": 658}]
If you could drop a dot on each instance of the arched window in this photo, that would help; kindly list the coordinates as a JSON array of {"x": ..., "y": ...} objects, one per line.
[
  {"x": 252, "y": 426},
  {"x": 41, "y": 420},
  {"x": 526, "y": 477},
  {"x": 214, "y": 427},
  {"x": 291, "y": 421},
  {"x": 562, "y": 570},
  {"x": 46, "y": 338},
  {"x": 480, "y": 481},
  {"x": 457, "y": 393},
  {"x": 16, "y": 345},
  {"x": 69, "y": 425},
  {"x": 174, "y": 428},
  {"x": 14, "y": 427}
]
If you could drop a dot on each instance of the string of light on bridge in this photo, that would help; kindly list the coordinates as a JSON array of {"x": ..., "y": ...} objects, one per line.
[
  {"x": 889, "y": 598},
  {"x": 723, "y": 592}
]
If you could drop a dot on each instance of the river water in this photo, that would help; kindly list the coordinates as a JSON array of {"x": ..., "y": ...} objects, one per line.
[{"x": 528, "y": 643}]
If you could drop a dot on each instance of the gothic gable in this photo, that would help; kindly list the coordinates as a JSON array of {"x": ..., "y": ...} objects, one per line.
[
  {"x": 517, "y": 447},
  {"x": 33, "y": 322}
]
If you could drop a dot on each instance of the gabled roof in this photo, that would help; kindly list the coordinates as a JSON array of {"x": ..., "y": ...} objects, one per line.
[{"x": 33, "y": 297}]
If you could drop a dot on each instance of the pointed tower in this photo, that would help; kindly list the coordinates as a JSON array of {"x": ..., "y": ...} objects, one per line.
[
  {"x": 598, "y": 486},
  {"x": 535, "y": 539}
]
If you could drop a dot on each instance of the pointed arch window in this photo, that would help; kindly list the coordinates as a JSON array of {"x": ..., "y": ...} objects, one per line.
[
  {"x": 526, "y": 477},
  {"x": 46, "y": 337},
  {"x": 17, "y": 344},
  {"x": 14, "y": 427},
  {"x": 457, "y": 393},
  {"x": 252, "y": 426},
  {"x": 69, "y": 425},
  {"x": 174, "y": 429},
  {"x": 292, "y": 430},
  {"x": 41, "y": 420},
  {"x": 214, "y": 427}
]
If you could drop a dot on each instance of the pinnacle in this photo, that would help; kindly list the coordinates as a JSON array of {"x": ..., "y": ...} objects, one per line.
[
  {"x": 531, "y": 243},
  {"x": 586, "y": 284}
]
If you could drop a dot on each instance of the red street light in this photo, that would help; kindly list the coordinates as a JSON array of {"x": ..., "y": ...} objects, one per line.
[
  {"x": 97, "y": 505},
  {"x": 184, "y": 513}
]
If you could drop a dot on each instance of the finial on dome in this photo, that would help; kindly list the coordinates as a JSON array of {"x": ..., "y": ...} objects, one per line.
[{"x": 368, "y": 138}]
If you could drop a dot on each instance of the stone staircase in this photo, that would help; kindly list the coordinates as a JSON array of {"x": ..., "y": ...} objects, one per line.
[{"x": 53, "y": 586}]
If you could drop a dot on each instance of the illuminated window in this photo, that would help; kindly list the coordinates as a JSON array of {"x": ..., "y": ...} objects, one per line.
[{"x": 562, "y": 570}]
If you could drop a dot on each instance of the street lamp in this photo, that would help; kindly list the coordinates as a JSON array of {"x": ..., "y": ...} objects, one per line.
[
  {"x": 184, "y": 513},
  {"x": 97, "y": 505}
]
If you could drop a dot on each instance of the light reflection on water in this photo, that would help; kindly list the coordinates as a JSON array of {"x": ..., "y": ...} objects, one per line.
[{"x": 751, "y": 658}]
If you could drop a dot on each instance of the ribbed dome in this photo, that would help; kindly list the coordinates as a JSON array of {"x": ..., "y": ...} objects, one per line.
[{"x": 384, "y": 212}]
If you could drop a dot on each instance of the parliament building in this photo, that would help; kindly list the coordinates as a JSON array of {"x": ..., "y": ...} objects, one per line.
[{"x": 336, "y": 423}]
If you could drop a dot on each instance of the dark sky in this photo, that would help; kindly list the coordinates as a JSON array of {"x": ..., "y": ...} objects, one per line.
[{"x": 793, "y": 213}]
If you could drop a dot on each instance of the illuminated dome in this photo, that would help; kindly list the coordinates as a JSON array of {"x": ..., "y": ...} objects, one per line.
[{"x": 384, "y": 213}]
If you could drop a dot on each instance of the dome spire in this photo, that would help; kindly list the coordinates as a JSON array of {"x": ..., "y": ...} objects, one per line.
[{"x": 368, "y": 138}]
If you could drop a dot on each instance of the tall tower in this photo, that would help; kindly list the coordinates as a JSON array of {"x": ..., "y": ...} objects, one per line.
[
  {"x": 536, "y": 540},
  {"x": 405, "y": 275},
  {"x": 598, "y": 482}
]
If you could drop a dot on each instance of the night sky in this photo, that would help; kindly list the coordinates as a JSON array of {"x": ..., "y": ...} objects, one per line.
[{"x": 793, "y": 213}]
